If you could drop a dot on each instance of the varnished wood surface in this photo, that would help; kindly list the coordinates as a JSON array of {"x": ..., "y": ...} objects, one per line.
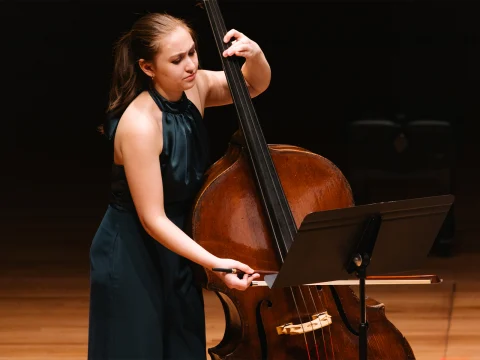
[
  {"x": 440, "y": 321},
  {"x": 44, "y": 308}
]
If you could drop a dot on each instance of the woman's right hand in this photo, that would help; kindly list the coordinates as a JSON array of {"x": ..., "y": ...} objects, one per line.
[{"x": 232, "y": 280}]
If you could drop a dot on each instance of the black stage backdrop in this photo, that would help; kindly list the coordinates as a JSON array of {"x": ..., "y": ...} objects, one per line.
[{"x": 333, "y": 62}]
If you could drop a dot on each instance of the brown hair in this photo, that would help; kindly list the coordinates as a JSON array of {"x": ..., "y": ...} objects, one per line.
[{"x": 141, "y": 42}]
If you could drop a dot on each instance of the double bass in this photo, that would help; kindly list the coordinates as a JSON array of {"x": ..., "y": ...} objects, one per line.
[{"x": 249, "y": 208}]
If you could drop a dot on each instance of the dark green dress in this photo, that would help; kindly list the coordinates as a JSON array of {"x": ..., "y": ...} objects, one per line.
[{"x": 143, "y": 301}]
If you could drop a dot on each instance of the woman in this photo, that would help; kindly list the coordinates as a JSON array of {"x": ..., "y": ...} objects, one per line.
[{"x": 144, "y": 303}]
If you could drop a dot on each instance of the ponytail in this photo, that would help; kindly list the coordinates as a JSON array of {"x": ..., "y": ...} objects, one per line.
[
  {"x": 127, "y": 78},
  {"x": 141, "y": 42}
]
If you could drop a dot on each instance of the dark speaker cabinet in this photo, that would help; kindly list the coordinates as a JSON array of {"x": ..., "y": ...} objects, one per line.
[{"x": 389, "y": 161}]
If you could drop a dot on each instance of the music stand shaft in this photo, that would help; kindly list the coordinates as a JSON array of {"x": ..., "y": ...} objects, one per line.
[{"x": 402, "y": 233}]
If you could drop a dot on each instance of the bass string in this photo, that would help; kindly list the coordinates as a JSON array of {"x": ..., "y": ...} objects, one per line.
[{"x": 219, "y": 29}]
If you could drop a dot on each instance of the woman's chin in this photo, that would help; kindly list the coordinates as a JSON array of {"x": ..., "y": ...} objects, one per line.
[{"x": 189, "y": 85}]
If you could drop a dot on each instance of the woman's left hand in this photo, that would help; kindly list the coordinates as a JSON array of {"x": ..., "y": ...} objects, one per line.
[{"x": 241, "y": 46}]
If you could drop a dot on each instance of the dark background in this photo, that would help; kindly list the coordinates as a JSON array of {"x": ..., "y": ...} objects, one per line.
[{"x": 333, "y": 62}]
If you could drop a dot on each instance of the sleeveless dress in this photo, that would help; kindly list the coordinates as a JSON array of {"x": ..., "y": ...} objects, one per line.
[{"x": 144, "y": 304}]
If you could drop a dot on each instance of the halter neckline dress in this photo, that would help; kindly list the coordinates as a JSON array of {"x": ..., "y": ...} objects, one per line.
[{"x": 144, "y": 303}]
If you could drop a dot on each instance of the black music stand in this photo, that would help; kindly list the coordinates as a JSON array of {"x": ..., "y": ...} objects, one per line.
[{"x": 331, "y": 245}]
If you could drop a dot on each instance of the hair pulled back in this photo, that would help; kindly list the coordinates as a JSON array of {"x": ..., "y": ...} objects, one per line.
[{"x": 143, "y": 41}]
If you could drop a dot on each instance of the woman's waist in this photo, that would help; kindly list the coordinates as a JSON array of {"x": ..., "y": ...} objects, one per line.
[{"x": 172, "y": 208}]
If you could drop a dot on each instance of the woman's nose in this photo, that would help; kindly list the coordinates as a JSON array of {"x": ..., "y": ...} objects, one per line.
[{"x": 190, "y": 66}]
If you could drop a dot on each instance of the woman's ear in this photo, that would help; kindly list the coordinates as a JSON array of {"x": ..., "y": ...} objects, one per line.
[{"x": 146, "y": 67}]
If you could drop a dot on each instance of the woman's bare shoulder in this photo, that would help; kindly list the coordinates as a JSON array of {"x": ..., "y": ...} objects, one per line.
[
  {"x": 140, "y": 127},
  {"x": 141, "y": 116}
]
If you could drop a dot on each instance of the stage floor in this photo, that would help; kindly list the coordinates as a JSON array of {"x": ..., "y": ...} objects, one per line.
[{"x": 44, "y": 306}]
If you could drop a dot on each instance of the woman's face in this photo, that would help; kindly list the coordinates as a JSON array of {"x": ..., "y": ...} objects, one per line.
[{"x": 176, "y": 65}]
